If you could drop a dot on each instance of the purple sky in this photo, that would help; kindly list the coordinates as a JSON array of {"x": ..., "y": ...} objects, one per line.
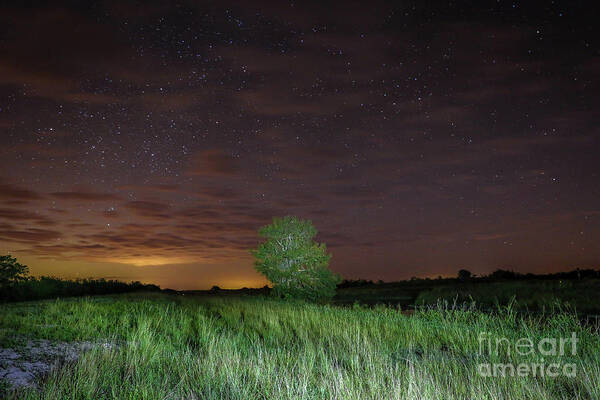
[{"x": 150, "y": 142}]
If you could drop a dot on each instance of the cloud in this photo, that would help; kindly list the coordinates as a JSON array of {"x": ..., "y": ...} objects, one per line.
[
  {"x": 32, "y": 235},
  {"x": 48, "y": 62},
  {"x": 14, "y": 192},
  {"x": 85, "y": 196},
  {"x": 355, "y": 191},
  {"x": 59, "y": 51},
  {"x": 490, "y": 236},
  {"x": 162, "y": 188},
  {"x": 23, "y": 216},
  {"x": 203, "y": 213},
  {"x": 110, "y": 213},
  {"x": 216, "y": 192},
  {"x": 148, "y": 209},
  {"x": 213, "y": 163}
]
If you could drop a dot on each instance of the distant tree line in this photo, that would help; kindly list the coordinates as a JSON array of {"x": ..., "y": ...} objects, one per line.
[
  {"x": 17, "y": 285},
  {"x": 348, "y": 283},
  {"x": 497, "y": 275},
  {"x": 504, "y": 274}
]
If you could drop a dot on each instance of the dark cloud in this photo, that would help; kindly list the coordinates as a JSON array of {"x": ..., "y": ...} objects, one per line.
[
  {"x": 166, "y": 188},
  {"x": 24, "y": 216},
  {"x": 149, "y": 209},
  {"x": 356, "y": 191},
  {"x": 85, "y": 196},
  {"x": 213, "y": 163},
  {"x": 26, "y": 50},
  {"x": 17, "y": 193},
  {"x": 33, "y": 235},
  {"x": 201, "y": 213},
  {"x": 218, "y": 192},
  {"x": 111, "y": 213}
]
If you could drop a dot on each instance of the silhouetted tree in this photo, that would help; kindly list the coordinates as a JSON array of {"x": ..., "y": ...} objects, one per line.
[
  {"x": 11, "y": 272},
  {"x": 296, "y": 265},
  {"x": 503, "y": 274},
  {"x": 347, "y": 283},
  {"x": 464, "y": 274}
]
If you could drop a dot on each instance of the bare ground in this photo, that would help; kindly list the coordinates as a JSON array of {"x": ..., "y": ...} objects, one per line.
[{"x": 23, "y": 366}]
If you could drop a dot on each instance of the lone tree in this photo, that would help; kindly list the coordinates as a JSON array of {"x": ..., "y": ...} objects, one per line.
[
  {"x": 11, "y": 272},
  {"x": 464, "y": 274},
  {"x": 293, "y": 262}
]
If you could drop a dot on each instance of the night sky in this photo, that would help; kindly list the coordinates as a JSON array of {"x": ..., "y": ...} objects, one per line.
[{"x": 150, "y": 141}]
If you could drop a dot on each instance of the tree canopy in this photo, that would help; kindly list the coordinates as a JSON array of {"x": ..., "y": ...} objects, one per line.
[
  {"x": 293, "y": 262},
  {"x": 11, "y": 271}
]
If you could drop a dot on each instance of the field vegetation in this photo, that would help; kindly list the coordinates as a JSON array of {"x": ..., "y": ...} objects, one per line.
[{"x": 255, "y": 347}]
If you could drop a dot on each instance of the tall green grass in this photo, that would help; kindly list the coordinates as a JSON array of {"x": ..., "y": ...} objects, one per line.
[{"x": 173, "y": 347}]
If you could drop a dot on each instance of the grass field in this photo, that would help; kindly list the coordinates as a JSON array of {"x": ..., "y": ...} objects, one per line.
[{"x": 186, "y": 347}]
